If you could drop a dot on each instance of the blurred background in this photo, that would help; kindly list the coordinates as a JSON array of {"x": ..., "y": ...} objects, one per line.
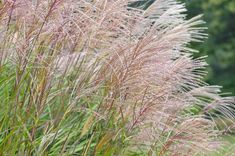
[{"x": 219, "y": 16}]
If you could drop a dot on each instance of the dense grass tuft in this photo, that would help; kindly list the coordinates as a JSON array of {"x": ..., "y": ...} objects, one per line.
[{"x": 81, "y": 77}]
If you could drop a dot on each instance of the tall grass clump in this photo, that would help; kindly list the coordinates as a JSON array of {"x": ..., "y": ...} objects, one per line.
[{"x": 102, "y": 78}]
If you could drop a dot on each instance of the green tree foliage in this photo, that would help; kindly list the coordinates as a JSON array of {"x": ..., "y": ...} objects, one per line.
[{"x": 220, "y": 45}]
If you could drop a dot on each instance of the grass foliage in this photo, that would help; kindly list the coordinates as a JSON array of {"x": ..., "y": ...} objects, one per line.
[{"x": 102, "y": 78}]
